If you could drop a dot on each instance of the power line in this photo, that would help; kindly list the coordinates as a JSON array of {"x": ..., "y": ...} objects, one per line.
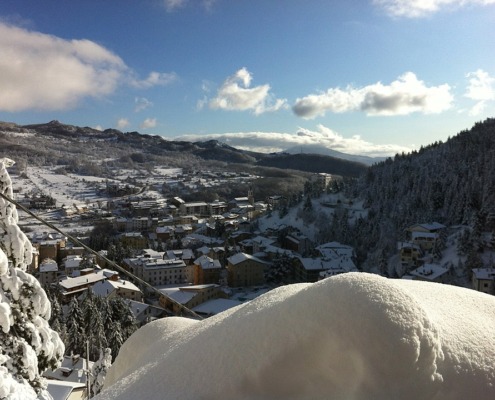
[{"x": 183, "y": 310}]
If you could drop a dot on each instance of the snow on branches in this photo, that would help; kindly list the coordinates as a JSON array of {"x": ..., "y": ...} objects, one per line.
[{"x": 28, "y": 346}]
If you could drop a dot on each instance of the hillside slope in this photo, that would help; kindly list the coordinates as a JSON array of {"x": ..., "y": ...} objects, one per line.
[{"x": 53, "y": 142}]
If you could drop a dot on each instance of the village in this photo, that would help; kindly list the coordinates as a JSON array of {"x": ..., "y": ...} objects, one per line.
[{"x": 207, "y": 256}]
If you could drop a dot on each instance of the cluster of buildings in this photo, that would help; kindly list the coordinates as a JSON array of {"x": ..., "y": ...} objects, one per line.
[
  {"x": 423, "y": 245},
  {"x": 420, "y": 253}
]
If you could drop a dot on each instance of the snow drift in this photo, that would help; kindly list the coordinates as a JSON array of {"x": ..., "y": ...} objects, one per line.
[{"x": 353, "y": 336}]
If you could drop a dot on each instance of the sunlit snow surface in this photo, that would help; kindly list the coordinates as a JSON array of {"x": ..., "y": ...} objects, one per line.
[{"x": 353, "y": 336}]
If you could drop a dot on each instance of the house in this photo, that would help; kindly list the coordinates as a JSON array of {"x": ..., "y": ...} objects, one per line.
[
  {"x": 206, "y": 270},
  {"x": 410, "y": 254},
  {"x": 427, "y": 236},
  {"x": 322, "y": 179},
  {"x": 199, "y": 208},
  {"x": 134, "y": 239},
  {"x": 115, "y": 286},
  {"x": 240, "y": 202},
  {"x": 70, "y": 251},
  {"x": 314, "y": 269},
  {"x": 68, "y": 382},
  {"x": 145, "y": 313},
  {"x": 483, "y": 280},
  {"x": 297, "y": 242},
  {"x": 332, "y": 250},
  {"x": 217, "y": 207},
  {"x": 70, "y": 287},
  {"x": 49, "y": 244},
  {"x": 245, "y": 270},
  {"x": 215, "y": 306},
  {"x": 164, "y": 233},
  {"x": 432, "y": 273},
  {"x": 48, "y": 271},
  {"x": 434, "y": 227},
  {"x": 154, "y": 269},
  {"x": 62, "y": 390},
  {"x": 71, "y": 264},
  {"x": 186, "y": 255},
  {"x": 188, "y": 296}
]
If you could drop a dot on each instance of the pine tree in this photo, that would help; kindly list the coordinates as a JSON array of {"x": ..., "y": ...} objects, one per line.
[
  {"x": 75, "y": 328},
  {"x": 99, "y": 371},
  {"x": 28, "y": 346},
  {"x": 123, "y": 314},
  {"x": 93, "y": 325},
  {"x": 99, "y": 337},
  {"x": 115, "y": 338}
]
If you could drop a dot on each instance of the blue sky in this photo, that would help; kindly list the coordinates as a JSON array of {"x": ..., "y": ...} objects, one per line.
[{"x": 372, "y": 77}]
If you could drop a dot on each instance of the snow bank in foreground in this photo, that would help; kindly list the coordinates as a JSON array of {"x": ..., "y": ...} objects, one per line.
[{"x": 353, "y": 336}]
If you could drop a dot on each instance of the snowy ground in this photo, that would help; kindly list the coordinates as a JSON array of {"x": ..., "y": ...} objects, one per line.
[
  {"x": 80, "y": 190},
  {"x": 326, "y": 204},
  {"x": 354, "y": 336}
]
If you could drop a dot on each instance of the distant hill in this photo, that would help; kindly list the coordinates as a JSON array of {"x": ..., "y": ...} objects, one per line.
[
  {"x": 315, "y": 149},
  {"x": 314, "y": 163},
  {"x": 59, "y": 144}
]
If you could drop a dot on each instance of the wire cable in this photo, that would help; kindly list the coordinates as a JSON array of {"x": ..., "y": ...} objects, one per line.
[{"x": 183, "y": 310}]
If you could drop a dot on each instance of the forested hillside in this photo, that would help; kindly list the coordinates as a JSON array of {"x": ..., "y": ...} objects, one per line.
[{"x": 452, "y": 183}]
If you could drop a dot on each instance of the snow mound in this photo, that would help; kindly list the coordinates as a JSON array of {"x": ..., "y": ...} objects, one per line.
[{"x": 352, "y": 336}]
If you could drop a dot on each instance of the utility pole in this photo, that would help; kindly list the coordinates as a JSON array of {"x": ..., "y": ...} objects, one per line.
[{"x": 88, "y": 373}]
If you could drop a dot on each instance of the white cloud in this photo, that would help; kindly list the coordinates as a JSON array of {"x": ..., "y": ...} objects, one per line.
[
  {"x": 123, "y": 123},
  {"x": 155, "y": 79},
  {"x": 403, "y": 96},
  {"x": 99, "y": 128},
  {"x": 148, "y": 123},
  {"x": 422, "y": 8},
  {"x": 481, "y": 88},
  {"x": 268, "y": 142},
  {"x": 174, "y": 5},
  {"x": 43, "y": 72},
  {"x": 142, "y": 103},
  {"x": 235, "y": 94}
]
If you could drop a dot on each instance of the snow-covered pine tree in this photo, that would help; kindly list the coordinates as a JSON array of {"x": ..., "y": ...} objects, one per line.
[
  {"x": 99, "y": 371},
  {"x": 75, "y": 328},
  {"x": 28, "y": 346},
  {"x": 115, "y": 337}
]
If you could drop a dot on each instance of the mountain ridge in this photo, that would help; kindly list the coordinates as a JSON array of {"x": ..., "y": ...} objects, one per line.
[{"x": 126, "y": 143}]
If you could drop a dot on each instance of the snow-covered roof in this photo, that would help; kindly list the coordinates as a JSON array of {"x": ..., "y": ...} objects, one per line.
[
  {"x": 241, "y": 257},
  {"x": 154, "y": 263},
  {"x": 72, "y": 283},
  {"x": 48, "y": 265},
  {"x": 408, "y": 245},
  {"x": 104, "y": 288},
  {"x": 430, "y": 235},
  {"x": 335, "y": 249},
  {"x": 207, "y": 262},
  {"x": 183, "y": 254},
  {"x": 432, "y": 226},
  {"x": 62, "y": 390},
  {"x": 180, "y": 296},
  {"x": 72, "y": 369},
  {"x": 215, "y": 306},
  {"x": 429, "y": 271},
  {"x": 484, "y": 273}
]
